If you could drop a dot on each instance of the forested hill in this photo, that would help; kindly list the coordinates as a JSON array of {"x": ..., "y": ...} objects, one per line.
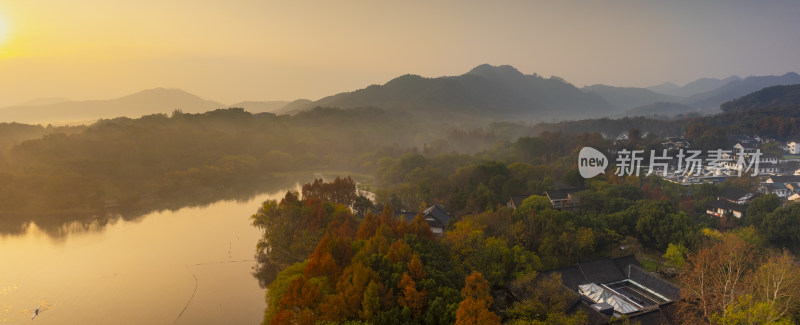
[
  {"x": 159, "y": 161},
  {"x": 166, "y": 162},
  {"x": 771, "y": 97},
  {"x": 738, "y": 88},
  {"x": 500, "y": 92}
]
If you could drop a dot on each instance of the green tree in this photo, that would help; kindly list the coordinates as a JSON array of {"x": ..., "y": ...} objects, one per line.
[
  {"x": 747, "y": 310},
  {"x": 659, "y": 224},
  {"x": 442, "y": 308},
  {"x": 781, "y": 227},
  {"x": 533, "y": 203},
  {"x": 676, "y": 254},
  {"x": 760, "y": 207},
  {"x": 371, "y": 302},
  {"x": 362, "y": 205}
]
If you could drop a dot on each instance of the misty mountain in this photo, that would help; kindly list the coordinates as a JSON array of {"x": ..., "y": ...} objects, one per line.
[
  {"x": 626, "y": 98},
  {"x": 295, "y": 106},
  {"x": 485, "y": 91},
  {"x": 701, "y": 85},
  {"x": 666, "y": 88},
  {"x": 661, "y": 109},
  {"x": 738, "y": 88},
  {"x": 770, "y": 97},
  {"x": 261, "y": 106},
  {"x": 43, "y": 101},
  {"x": 158, "y": 100}
]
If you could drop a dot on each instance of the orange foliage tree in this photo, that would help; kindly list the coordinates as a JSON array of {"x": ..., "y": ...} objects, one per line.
[
  {"x": 475, "y": 307},
  {"x": 713, "y": 277},
  {"x": 415, "y": 268},
  {"x": 412, "y": 298}
]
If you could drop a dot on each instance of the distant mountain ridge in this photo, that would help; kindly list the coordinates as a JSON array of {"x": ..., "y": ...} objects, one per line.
[
  {"x": 498, "y": 91},
  {"x": 152, "y": 101},
  {"x": 626, "y": 98},
  {"x": 698, "y": 86},
  {"x": 484, "y": 93},
  {"x": 505, "y": 92},
  {"x": 737, "y": 88},
  {"x": 43, "y": 101}
]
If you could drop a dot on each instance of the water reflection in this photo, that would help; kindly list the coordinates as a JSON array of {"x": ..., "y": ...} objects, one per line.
[
  {"x": 57, "y": 225},
  {"x": 184, "y": 266}
]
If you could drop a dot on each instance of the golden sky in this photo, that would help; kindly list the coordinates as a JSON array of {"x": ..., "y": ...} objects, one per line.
[{"x": 231, "y": 51}]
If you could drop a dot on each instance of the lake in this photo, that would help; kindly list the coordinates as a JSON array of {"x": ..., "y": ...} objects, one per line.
[{"x": 190, "y": 266}]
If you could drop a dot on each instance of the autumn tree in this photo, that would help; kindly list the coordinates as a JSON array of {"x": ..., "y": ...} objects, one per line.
[
  {"x": 474, "y": 309},
  {"x": 415, "y": 268},
  {"x": 773, "y": 294},
  {"x": 368, "y": 227},
  {"x": 278, "y": 288},
  {"x": 386, "y": 272},
  {"x": 399, "y": 252},
  {"x": 420, "y": 227},
  {"x": 411, "y": 297},
  {"x": 777, "y": 284},
  {"x": 341, "y": 190},
  {"x": 351, "y": 289},
  {"x": 300, "y": 300},
  {"x": 713, "y": 277}
]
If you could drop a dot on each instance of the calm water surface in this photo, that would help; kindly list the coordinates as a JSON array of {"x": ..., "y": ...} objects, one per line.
[{"x": 191, "y": 266}]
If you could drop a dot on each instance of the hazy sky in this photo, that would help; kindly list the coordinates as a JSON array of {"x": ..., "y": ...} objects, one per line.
[{"x": 230, "y": 51}]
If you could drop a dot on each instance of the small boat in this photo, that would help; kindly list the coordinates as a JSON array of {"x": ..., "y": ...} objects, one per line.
[{"x": 36, "y": 311}]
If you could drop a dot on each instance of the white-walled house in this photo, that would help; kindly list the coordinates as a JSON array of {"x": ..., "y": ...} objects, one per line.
[
  {"x": 792, "y": 148},
  {"x": 732, "y": 201},
  {"x": 745, "y": 147}
]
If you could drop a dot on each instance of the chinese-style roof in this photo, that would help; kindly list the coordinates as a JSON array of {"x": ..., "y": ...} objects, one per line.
[
  {"x": 556, "y": 195},
  {"x": 651, "y": 282},
  {"x": 727, "y": 205},
  {"x": 733, "y": 194},
  {"x": 437, "y": 212},
  {"x": 516, "y": 200}
]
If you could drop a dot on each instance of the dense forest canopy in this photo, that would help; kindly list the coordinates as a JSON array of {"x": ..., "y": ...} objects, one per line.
[{"x": 323, "y": 263}]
